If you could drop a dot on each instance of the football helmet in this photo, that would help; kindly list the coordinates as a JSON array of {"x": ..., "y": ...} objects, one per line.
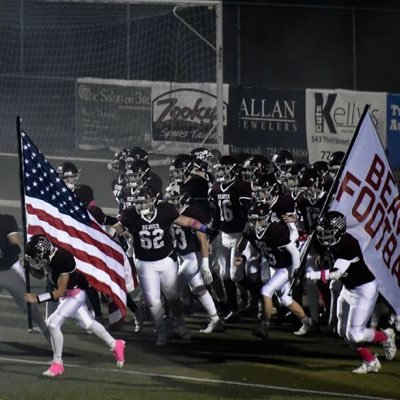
[
  {"x": 265, "y": 188},
  {"x": 311, "y": 184},
  {"x": 335, "y": 161},
  {"x": 204, "y": 155},
  {"x": 180, "y": 167},
  {"x": 253, "y": 166},
  {"x": 259, "y": 217},
  {"x": 69, "y": 173},
  {"x": 175, "y": 195},
  {"x": 38, "y": 251},
  {"x": 118, "y": 162},
  {"x": 137, "y": 173},
  {"x": 322, "y": 167},
  {"x": 226, "y": 170},
  {"x": 331, "y": 227},
  {"x": 282, "y": 161},
  {"x": 290, "y": 180},
  {"x": 145, "y": 202},
  {"x": 137, "y": 153}
]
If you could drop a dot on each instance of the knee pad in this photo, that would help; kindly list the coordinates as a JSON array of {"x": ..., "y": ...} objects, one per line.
[
  {"x": 199, "y": 290},
  {"x": 286, "y": 300}
]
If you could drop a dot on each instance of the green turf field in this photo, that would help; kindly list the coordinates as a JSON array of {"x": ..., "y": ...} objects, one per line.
[{"x": 230, "y": 365}]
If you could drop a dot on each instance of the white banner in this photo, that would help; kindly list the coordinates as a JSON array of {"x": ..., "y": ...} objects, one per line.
[
  {"x": 332, "y": 117},
  {"x": 369, "y": 198}
]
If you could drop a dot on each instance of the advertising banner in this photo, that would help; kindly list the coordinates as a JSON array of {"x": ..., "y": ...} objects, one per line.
[
  {"x": 162, "y": 117},
  {"x": 262, "y": 121},
  {"x": 185, "y": 116},
  {"x": 112, "y": 114},
  {"x": 332, "y": 117},
  {"x": 393, "y": 129}
]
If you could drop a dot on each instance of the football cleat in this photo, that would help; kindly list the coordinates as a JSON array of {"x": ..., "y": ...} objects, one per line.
[
  {"x": 162, "y": 339},
  {"x": 213, "y": 326},
  {"x": 390, "y": 344},
  {"x": 182, "y": 331},
  {"x": 119, "y": 352},
  {"x": 232, "y": 316},
  {"x": 305, "y": 329},
  {"x": 261, "y": 332},
  {"x": 373, "y": 366},
  {"x": 54, "y": 370},
  {"x": 137, "y": 320}
]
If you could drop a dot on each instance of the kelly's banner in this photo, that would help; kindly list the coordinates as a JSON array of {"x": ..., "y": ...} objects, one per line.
[
  {"x": 332, "y": 117},
  {"x": 393, "y": 129},
  {"x": 369, "y": 198},
  {"x": 262, "y": 121}
]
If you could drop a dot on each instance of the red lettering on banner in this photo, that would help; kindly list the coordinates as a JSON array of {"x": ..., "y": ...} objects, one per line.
[
  {"x": 387, "y": 228},
  {"x": 387, "y": 188},
  {"x": 389, "y": 249},
  {"x": 345, "y": 187},
  {"x": 376, "y": 172},
  {"x": 360, "y": 216},
  {"x": 393, "y": 210},
  {"x": 396, "y": 270},
  {"x": 369, "y": 225}
]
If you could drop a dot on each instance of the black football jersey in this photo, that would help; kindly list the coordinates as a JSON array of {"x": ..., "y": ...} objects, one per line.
[
  {"x": 185, "y": 239},
  {"x": 270, "y": 243},
  {"x": 63, "y": 262},
  {"x": 358, "y": 273},
  {"x": 84, "y": 193},
  {"x": 127, "y": 196},
  {"x": 197, "y": 188},
  {"x": 309, "y": 212},
  {"x": 8, "y": 225},
  {"x": 152, "y": 238},
  {"x": 284, "y": 204},
  {"x": 117, "y": 184},
  {"x": 232, "y": 201}
]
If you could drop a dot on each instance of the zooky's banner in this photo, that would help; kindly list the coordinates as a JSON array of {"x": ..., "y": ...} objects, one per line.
[
  {"x": 369, "y": 198},
  {"x": 332, "y": 117},
  {"x": 393, "y": 130},
  {"x": 262, "y": 121}
]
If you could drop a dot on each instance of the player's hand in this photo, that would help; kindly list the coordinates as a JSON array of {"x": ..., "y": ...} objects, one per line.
[
  {"x": 238, "y": 261},
  {"x": 205, "y": 272},
  {"x": 290, "y": 217},
  {"x": 30, "y": 298}
]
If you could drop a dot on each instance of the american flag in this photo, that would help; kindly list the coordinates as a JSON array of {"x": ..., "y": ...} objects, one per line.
[{"x": 54, "y": 210}]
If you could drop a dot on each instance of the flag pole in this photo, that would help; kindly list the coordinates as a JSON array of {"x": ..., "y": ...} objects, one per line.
[
  {"x": 23, "y": 214},
  {"x": 332, "y": 191}
]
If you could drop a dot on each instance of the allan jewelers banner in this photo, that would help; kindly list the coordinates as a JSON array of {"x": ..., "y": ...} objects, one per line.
[
  {"x": 262, "y": 121},
  {"x": 332, "y": 117}
]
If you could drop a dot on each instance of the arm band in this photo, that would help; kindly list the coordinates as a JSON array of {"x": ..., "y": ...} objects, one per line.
[
  {"x": 198, "y": 226},
  {"x": 41, "y": 298}
]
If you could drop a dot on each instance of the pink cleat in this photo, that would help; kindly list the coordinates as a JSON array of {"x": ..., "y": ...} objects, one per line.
[
  {"x": 54, "y": 370},
  {"x": 119, "y": 352}
]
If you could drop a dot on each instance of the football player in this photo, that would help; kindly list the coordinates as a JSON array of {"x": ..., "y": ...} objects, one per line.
[
  {"x": 231, "y": 197},
  {"x": 118, "y": 165},
  {"x": 12, "y": 275},
  {"x": 192, "y": 250},
  {"x": 149, "y": 222},
  {"x": 358, "y": 295},
  {"x": 69, "y": 287},
  {"x": 335, "y": 161},
  {"x": 281, "y": 161},
  {"x": 272, "y": 239}
]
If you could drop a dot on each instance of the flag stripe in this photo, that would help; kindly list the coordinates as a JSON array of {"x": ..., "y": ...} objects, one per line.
[{"x": 52, "y": 209}]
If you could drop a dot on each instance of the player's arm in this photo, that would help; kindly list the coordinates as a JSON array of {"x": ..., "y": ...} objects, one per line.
[
  {"x": 338, "y": 270},
  {"x": 205, "y": 264},
  {"x": 117, "y": 229},
  {"x": 59, "y": 292},
  {"x": 194, "y": 224}
]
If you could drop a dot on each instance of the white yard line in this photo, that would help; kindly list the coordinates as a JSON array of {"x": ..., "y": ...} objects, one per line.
[{"x": 192, "y": 379}]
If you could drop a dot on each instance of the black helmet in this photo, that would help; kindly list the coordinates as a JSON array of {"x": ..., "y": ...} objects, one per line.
[
  {"x": 331, "y": 227},
  {"x": 335, "y": 160},
  {"x": 259, "y": 217},
  {"x": 282, "y": 161},
  {"x": 180, "y": 167},
  {"x": 311, "y": 184},
  {"x": 175, "y": 194},
  {"x": 227, "y": 169},
  {"x": 118, "y": 162},
  {"x": 137, "y": 153},
  {"x": 146, "y": 200},
  {"x": 69, "y": 173},
  {"x": 253, "y": 166},
  {"x": 290, "y": 180},
  {"x": 137, "y": 173},
  {"x": 265, "y": 188},
  {"x": 38, "y": 250},
  {"x": 322, "y": 167}
]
